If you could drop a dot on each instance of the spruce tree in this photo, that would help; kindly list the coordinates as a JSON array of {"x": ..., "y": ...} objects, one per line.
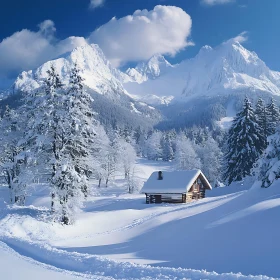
[
  {"x": 244, "y": 144},
  {"x": 51, "y": 131},
  {"x": 273, "y": 117},
  {"x": 82, "y": 135},
  {"x": 75, "y": 162},
  {"x": 262, "y": 120},
  {"x": 167, "y": 149}
]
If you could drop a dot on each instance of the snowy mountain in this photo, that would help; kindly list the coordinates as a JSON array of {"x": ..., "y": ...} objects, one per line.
[
  {"x": 102, "y": 80},
  {"x": 156, "y": 66},
  {"x": 216, "y": 80},
  {"x": 97, "y": 71},
  {"x": 226, "y": 69}
]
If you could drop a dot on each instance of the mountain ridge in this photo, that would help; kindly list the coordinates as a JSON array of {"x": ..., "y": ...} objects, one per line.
[{"x": 226, "y": 68}]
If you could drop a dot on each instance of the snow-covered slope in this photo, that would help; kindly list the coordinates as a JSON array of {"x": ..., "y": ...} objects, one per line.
[
  {"x": 235, "y": 229},
  {"x": 216, "y": 71}
]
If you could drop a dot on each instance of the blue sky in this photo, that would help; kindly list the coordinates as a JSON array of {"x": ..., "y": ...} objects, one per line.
[{"x": 212, "y": 22}]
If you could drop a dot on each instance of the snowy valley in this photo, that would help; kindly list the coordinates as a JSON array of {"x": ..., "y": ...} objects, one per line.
[{"x": 80, "y": 138}]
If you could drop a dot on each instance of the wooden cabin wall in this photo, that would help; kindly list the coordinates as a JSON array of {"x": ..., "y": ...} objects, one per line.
[{"x": 196, "y": 192}]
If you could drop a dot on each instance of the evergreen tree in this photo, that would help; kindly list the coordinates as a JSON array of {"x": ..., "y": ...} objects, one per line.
[
  {"x": 167, "y": 149},
  {"x": 14, "y": 159},
  {"x": 61, "y": 135},
  {"x": 267, "y": 168},
  {"x": 74, "y": 161},
  {"x": 82, "y": 134},
  {"x": 273, "y": 117},
  {"x": 244, "y": 144},
  {"x": 262, "y": 120},
  {"x": 139, "y": 138}
]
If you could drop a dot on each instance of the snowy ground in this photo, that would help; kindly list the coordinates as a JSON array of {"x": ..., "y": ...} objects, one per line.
[{"x": 234, "y": 232}]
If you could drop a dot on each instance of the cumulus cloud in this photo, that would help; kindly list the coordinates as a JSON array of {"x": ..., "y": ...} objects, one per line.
[
  {"x": 216, "y": 2},
  {"x": 163, "y": 30},
  {"x": 96, "y": 3},
  {"x": 26, "y": 49}
]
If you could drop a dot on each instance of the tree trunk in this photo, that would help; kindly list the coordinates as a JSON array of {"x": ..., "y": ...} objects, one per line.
[{"x": 52, "y": 203}]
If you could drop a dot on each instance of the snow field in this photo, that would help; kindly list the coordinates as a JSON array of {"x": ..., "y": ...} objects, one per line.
[{"x": 118, "y": 236}]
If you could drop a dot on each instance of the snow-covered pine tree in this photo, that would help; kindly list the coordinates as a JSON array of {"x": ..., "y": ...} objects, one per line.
[
  {"x": 59, "y": 134},
  {"x": 262, "y": 120},
  {"x": 273, "y": 117},
  {"x": 14, "y": 158},
  {"x": 167, "y": 149},
  {"x": 244, "y": 144},
  {"x": 267, "y": 168},
  {"x": 49, "y": 126},
  {"x": 139, "y": 138},
  {"x": 81, "y": 117},
  {"x": 74, "y": 160}
]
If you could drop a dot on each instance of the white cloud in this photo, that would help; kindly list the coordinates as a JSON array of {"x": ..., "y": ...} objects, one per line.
[
  {"x": 216, "y": 2},
  {"x": 96, "y": 3},
  {"x": 242, "y": 37},
  {"x": 164, "y": 30},
  {"x": 47, "y": 28},
  {"x": 26, "y": 49}
]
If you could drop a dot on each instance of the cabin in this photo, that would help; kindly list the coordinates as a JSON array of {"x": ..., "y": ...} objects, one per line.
[{"x": 175, "y": 186}]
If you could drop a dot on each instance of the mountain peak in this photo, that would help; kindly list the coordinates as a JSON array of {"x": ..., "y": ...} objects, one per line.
[
  {"x": 96, "y": 70},
  {"x": 154, "y": 67},
  {"x": 158, "y": 59}
]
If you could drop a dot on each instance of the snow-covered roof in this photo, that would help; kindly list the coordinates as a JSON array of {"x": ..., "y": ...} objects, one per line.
[{"x": 174, "y": 182}]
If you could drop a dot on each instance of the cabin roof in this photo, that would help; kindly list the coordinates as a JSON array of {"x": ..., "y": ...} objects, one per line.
[{"x": 174, "y": 182}]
